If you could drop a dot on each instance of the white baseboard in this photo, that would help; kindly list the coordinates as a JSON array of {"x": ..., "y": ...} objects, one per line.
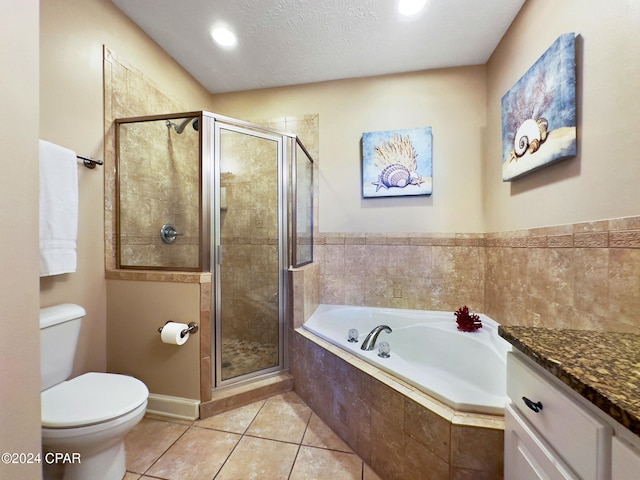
[{"x": 173, "y": 407}]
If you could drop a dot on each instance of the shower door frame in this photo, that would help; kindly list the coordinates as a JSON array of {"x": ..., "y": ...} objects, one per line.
[{"x": 284, "y": 158}]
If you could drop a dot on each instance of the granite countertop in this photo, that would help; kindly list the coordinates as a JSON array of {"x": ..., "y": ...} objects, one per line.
[{"x": 603, "y": 367}]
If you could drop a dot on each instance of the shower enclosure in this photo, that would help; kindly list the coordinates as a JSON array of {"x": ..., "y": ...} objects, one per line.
[{"x": 199, "y": 192}]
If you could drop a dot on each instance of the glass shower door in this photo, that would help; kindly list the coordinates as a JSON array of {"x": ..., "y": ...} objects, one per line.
[{"x": 249, "y": 259}]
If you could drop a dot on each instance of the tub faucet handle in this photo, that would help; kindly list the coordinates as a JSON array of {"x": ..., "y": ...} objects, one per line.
[
  {"x": 352, "y": 336},
  {"x": 384, "y": 350}
]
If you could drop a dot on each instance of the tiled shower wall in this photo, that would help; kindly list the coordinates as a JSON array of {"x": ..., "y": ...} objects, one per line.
[
  {"x": 127, "y": 93},
  {"x": 159, "y": 184},
  {"x": 585, "y": 275}
]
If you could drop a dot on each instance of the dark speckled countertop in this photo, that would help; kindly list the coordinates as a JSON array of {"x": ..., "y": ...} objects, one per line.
[{"x": 603, "y": 367}]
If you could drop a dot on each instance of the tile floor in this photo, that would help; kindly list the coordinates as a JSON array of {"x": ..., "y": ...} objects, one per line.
[{"x": 275, "y": 439}]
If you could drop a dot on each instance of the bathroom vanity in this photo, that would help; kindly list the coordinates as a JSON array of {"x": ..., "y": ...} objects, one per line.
[{"x": 574, "y": 409}]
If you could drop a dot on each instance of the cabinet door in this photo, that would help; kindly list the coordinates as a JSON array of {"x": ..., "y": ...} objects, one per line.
[
  {"x": 625, "y": 460},
  {"x": 577, "y": 436},
  {"x": 528, "y": 457}
]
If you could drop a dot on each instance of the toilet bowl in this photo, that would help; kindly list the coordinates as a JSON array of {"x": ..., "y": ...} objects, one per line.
[{"x": 85, "y": 419}]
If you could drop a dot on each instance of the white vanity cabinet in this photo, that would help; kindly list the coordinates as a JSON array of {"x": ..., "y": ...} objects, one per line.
[
  {"x": 527, "y": 456},
  {"x": 553, "y": 433},
  {"x": 625, "y": 460}
]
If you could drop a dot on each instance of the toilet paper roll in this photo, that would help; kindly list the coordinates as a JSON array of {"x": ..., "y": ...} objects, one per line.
[{"x": 171, "y": 333}]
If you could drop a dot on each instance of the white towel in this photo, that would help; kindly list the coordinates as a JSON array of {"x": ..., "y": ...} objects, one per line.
[{"x": 58, "y": 209}]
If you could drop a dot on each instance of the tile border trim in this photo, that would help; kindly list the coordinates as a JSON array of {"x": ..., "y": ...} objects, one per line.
[{"x": 614, "y": 233}]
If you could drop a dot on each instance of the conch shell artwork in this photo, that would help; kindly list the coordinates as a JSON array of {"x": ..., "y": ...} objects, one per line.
[
  {"x": 396, "y": 163},
  {"x": 539, "y": 113}
]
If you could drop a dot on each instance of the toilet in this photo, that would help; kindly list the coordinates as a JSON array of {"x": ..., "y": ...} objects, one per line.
[{"x": 88, "y": 416}]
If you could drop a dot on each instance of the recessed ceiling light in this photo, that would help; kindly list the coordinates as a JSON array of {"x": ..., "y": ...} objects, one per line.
[
  {"x": 224, "y": 37},
  {"x": 410, "y": 7}
]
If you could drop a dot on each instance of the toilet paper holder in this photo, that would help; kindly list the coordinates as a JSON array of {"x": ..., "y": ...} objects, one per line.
[{"x": 192, "y": 328}]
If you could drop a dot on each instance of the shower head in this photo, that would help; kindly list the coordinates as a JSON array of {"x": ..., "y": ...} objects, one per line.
[{"x": 180, "y": 128}]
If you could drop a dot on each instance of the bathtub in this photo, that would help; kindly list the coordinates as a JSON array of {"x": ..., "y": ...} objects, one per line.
[{"x": 465, "y": 370}]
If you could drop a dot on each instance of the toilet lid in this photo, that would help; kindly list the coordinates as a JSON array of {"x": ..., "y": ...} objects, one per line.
[{"x": 91, "y": 398}]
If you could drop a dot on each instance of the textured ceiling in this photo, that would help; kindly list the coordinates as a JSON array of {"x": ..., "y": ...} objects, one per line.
[{"x": 289, "y": 42}]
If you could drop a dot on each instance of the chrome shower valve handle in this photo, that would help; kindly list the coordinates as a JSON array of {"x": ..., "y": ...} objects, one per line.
[{"x": 168, "y": 233}]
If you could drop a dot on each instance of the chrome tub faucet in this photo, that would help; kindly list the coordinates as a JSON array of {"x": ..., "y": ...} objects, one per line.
[{"x": 370, "y": 340}]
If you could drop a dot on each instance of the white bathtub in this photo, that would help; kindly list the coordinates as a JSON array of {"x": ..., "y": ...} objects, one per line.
[{"x": 465, "y": 370}]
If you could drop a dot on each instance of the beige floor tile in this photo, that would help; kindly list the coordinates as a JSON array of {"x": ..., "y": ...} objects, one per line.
[
  {"x": 317, "y": 463},
  {"x": 282, "y": 418},
  {"x": 198, "y": 454},
  {"x": 290, "y": 397},
  {"x": 259, "y": 458},
  {"x": 215, "y": 447},
  {"x": 148, "y": 440},
  {"x": 235, "y": 421},
  {"x": 319, "y": 434},
  {"x": 369, "y": 474}
]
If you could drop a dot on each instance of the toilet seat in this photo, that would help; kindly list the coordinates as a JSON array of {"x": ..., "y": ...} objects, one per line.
[{"x": 90, "y": 399}]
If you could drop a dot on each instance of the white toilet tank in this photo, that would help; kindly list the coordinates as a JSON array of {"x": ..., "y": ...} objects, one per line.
[{"x": 59, "y": 331}]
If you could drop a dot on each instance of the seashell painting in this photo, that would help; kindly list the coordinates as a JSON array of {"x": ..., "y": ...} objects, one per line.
[
  {"x": 397, "y": 163},
  {"x": 539, "y": 112}
]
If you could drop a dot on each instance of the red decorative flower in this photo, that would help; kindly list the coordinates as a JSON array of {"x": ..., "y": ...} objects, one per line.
[{"x": 467, "y": 322}]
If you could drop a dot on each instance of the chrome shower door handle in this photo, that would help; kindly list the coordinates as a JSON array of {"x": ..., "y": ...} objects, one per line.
[{"x": 168, "y": 233}]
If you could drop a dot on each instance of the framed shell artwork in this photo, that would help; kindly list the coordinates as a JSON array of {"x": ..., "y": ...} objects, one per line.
[
  {"x": 539, "y": 112},
  {"x": 397, "y": 163}
]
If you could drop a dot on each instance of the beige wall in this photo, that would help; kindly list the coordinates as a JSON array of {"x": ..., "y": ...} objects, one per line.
[
  {"x": 72, "y": 35},
  {"x": 556, "y": 252},
  {"x": 598, "y": 184},
  {"x": 602, "y": 181},
  {"x": 136, "y": 309},
  {"x": 20, "y": 346},
  {"x": 567, "y": 260},
  {"x": 452, "y": 101}
]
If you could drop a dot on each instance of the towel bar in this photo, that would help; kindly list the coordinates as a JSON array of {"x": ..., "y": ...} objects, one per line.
[{"x": 90, "y": 162}]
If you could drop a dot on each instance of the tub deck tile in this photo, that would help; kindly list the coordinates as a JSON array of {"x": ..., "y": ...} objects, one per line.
[
  {"x": 430, "y": 430},
  {"x": 423, "y": 463},
  {"x": 477, "y": 448},
  {"x": 401, "y": 432}
]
